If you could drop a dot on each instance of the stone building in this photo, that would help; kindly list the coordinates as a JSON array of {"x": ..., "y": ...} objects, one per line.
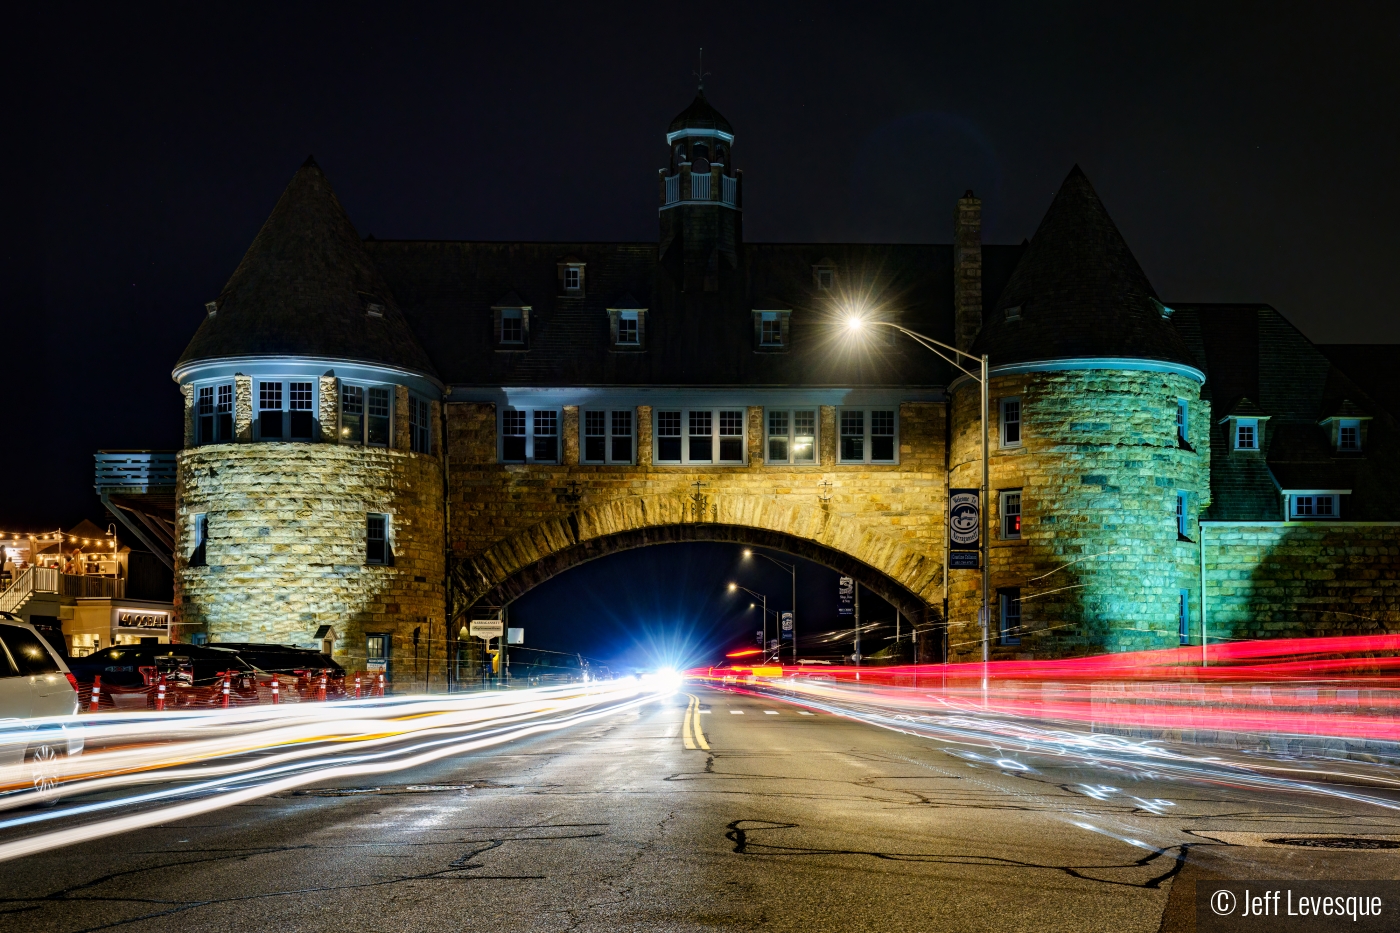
[{"x": 383, "y": 437}]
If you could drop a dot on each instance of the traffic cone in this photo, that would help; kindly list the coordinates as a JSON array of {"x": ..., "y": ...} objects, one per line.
[
  {"x": 160, "y": 694},
  {"x": 321, "y": 688},
  {"x": 276, "y": 696},
  {"x": 225, "y": 691},
  {"x": 357, "y": 686},
  {"x": 96, "y": 694},
  {"x": 379, "y": 685}
]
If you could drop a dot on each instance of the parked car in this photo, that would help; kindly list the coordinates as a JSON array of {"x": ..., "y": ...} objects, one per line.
[
  {"x": 183, "y": 665},
  {"x": 35, "y": 685},
  {"x": 283, "y": 659}
]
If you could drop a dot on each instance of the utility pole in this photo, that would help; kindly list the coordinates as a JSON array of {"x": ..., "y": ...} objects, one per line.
[{"x": 857, "y": 623}]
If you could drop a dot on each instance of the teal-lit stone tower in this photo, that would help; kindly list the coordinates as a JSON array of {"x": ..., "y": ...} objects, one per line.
[{"x": 1100, "y": 447}]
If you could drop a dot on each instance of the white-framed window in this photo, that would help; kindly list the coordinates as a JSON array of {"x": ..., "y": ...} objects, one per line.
[
  {"x": 286, "y": 410},
  {"x": 868, "y": 435},
  {"x": 1349, "y": 435},
  {"x": 214, "y": 414},
  {"x": 825, "y": 278},
  {"x": 529, "y": 435},
  {"x": 1182, "y": 518},
  {"x": 628, "y": 331},
  {"x": 420, "y": 425},
  {"x": 366, "y": 414},
  {"x": 379, "y": 543},
  {"x": 700, "y": 436},
  {"x": 1182, "y": 423},
  {"x": 1010, "y": 422},
  {"x": 1313, "y": 505},
  {"x": 1009, "y": 610},
  {"x": 512, "y": 326},
  {"x": 608, "y": 436},
  {"x": 791, "y": 435},
  {"x": 571, "y": 279},
  {"x": 1247, "y": 434},
  {"x": 1183, "y": 617},
  {"x": 1010, "y": 503},
  {"x": 770, "y": 329}
]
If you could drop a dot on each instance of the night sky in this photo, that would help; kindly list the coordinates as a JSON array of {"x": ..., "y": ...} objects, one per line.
[{"x": 1247, "y": 152}]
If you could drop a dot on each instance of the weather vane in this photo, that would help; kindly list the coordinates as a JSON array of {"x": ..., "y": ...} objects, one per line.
[{"x": 700, "y": 73}]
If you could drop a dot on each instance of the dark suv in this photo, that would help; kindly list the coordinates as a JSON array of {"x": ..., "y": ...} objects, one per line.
[{"x": 186, "y": 665}]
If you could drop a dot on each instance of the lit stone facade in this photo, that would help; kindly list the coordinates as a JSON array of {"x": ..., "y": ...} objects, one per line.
[
  {"x": 1099, "y": 564},
  {"x": 286, "y": 548}
]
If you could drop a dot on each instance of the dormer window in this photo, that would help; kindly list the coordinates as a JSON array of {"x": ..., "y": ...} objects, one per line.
[
  {"x": 1313, "y": 504},
  {"x": 770, "y": 329},
  {"x": 627, "y": 324},
  {"x": 571, "y": 280},
  {"x": 1013, "y": 313},
  {"x": 627, "y": 328},
  {"x": 1349, "y": 435},
  {"x": 825, "y": 276},
  {"x": 512, "y": 325},
  {"x": 1246, "y": 434}
]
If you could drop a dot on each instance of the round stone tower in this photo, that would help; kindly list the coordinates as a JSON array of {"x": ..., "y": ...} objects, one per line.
[
  {"x": 1100, "y": 457},
  {"x": 309, "y": 489}
]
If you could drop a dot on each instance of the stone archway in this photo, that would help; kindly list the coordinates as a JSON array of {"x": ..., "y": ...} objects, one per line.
[{"x": 897, "y": 571}]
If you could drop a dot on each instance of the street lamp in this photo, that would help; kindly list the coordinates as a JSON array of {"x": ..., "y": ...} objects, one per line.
[
  {"x": 855, "y": 324},
  {"x": 792, "y": 569},
  {"x": 764, "y": 600}
]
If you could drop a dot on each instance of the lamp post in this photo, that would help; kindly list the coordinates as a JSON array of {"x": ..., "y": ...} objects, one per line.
[
  {"x": 764, "y": 600},
  {"x": 855, "y": 324},
  {"x": 792, "y": 569}
]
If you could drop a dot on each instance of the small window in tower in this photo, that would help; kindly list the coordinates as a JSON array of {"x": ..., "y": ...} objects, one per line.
[
  {"x": 352, "y": 415},
  {"x": 270, "y": 410},
  {"x": 1011, "y": 514},
  {"x": 1009, "y": 606},
  {"x": 378, "y": 547},
  {"x": 1183, "y": 617},
  {"x": 1183, "y": 518},
  {"x": 199, "y": 524},
  {"x": 377, "y": 434},
  {"x": 301, "y": 399},
  {"x": 1183, "y": 425},
  {"x": 1011, "y": 422},
  {"x": 420, "y": 414},
  {"x": 214, "y": 415}
]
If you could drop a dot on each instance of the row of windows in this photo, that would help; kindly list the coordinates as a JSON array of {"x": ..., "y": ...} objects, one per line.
[
  {"x": 698, "y": 436},
  {"x": 1248, "y": 433},
  {"x": 286, "y": 411},
  {"x": 1011, "y": 422},
  {"x": 379, "y": 548}
]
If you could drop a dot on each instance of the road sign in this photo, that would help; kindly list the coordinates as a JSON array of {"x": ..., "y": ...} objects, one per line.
[
  {"x": 487, "y": 629},
  {"x": 845, "y": 596},
  {"x": 515, "y": 636},
  {"x": 787, "y": 626}
]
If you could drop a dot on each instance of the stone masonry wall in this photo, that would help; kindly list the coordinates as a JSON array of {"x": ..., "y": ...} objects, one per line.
[
  {"x": 508, "y": 516},
  {"x": 1098, "y": 564},
  {"x": 1296, "y": 579},
  {"x": 286, "y": 549}
]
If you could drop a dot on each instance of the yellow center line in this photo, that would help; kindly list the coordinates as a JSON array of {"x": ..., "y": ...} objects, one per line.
[
  {"x": 685, "y": 724},
  {"x": 699, "y": 732}
]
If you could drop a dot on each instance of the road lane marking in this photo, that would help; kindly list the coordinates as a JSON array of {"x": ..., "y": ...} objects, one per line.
[
  {"x": 685, "y": 724},
  {"x": 803, "y": 712},
  {"x": 736, "y": 712},
  {"x": 770, "y": 712},
  {"x": 695, "y": 725}
]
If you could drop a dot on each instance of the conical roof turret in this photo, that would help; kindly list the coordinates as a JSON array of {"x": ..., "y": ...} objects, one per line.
[
  {"x": 1079, "y": 293},
  {"x": 307, "y": 288}
]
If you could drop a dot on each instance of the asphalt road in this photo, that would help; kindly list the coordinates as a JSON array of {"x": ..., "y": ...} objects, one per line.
[{"x": 787, "y": 821}]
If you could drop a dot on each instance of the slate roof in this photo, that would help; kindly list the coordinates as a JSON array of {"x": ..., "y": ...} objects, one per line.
[
  {"x": 1257, "y": 363},
  {"x": 700, "y": 115},
  {"x": 447, "y": 290},
  {"x": 1081, "y": 292},
  {"x": 1371, "y": 366},
  {"x": 304, "y": 287}
]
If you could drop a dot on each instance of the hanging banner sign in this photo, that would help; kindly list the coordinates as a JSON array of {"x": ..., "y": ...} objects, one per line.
[
  {"x": 964, "y": 529},
  {"x": 787, "y": 626},
  {"x": 846, "y": 597}
]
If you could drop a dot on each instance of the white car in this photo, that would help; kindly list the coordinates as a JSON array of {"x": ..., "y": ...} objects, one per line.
[{"x": 35, "y": 687}]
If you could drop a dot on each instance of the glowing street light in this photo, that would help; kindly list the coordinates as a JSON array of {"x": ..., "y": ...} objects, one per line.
[
  {"x": 856, "y": 323},
  {"x": 791, "y": 569}
]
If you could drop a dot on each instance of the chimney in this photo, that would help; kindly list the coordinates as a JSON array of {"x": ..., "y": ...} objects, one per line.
[{"x": 967, "y": 271}]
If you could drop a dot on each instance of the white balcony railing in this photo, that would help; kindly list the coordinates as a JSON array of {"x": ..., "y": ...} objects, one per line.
[
  {"x": 673, "y": 189},
  {"x": 728, "y": 189},
  {"x": 699, "y": 187}
]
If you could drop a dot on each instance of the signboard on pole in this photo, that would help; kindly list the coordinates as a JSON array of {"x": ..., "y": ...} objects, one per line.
[
  {"x": 964, "y": 529},
  {"x": 787, "y": 626},
  {"x": 845, "y": 596},
  {"x": 515, "y": 636},
  {"x": 487, "y": 629}
]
